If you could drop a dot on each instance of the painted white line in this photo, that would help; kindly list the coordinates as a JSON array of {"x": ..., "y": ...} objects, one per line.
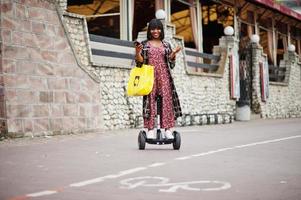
[
  {"x": 183, "y": 158},
  {"x": 225, "y": 186},
  {"x": 236, "y": 147},
  {"x": 224, "y": 149},
  {"x": 88, "y": 182},
  {"x": 268, "y": 141},
  {"x": 42, "y": 193},
  {"x": 244, "y": 145},
  {"x": 157, "y": 164},
  {"x": 103, "y": 178},
  {"x": 131, "y": 171}
]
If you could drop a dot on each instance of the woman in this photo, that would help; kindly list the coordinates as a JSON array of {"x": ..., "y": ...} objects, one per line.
[{"x": 157, "y": 52}]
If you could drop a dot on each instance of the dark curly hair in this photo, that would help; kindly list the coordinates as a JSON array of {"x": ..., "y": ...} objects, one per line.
[{"x": 153, "y": 24}]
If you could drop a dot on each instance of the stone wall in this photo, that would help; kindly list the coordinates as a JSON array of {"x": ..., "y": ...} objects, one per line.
[
  {"x": 45, "y": 90},
  {"x": 62, "y": 4},
  {"x": 77, "y": 31},
  {"x": 206, "y": 101},
  {"x": 206, "y": 94},
  {"x": 284, "y": 97},
  {"x": 201, "y": 95}
]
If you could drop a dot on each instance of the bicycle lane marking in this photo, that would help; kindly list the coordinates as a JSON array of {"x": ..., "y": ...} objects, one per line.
[
  {"x": 112, "y": 176},
  {"x": 138, "y": 169},
  {"x": 147, "y": 181}
]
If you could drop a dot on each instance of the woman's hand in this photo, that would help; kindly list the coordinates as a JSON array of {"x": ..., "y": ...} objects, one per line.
[
  {"x": 138, "y": 49},
  {"x": 172, "y": 56}
]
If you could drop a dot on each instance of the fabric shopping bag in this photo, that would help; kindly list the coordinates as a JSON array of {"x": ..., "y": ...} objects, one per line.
[{"x": 141, "y": 80}]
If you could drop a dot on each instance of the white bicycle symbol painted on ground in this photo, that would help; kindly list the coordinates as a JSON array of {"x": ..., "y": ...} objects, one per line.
[{"x": 162, "y": 182}]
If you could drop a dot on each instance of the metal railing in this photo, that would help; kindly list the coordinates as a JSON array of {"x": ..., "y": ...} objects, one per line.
[
  {"x": 207, "y": 61},
  {"x": 107, "y": 50},
  {"x": 112, "y": 52},
  {"x": 276, "y": 74}
]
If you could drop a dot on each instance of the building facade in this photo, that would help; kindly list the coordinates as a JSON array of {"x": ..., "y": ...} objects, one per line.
[{"x": 65, "y": 64}]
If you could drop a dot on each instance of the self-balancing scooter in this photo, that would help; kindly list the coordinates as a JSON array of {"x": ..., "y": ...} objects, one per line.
[{"x": 160, "y": 139}]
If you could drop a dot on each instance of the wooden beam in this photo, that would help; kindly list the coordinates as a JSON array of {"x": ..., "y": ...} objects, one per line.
[{"x": 244, "y": 6}]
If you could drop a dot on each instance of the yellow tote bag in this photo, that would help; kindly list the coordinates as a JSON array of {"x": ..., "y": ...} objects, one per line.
[{"x": 141, "y": 81}]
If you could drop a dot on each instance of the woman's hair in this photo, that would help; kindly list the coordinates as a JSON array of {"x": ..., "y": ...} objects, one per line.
[{"x": 153, "y": 24}]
